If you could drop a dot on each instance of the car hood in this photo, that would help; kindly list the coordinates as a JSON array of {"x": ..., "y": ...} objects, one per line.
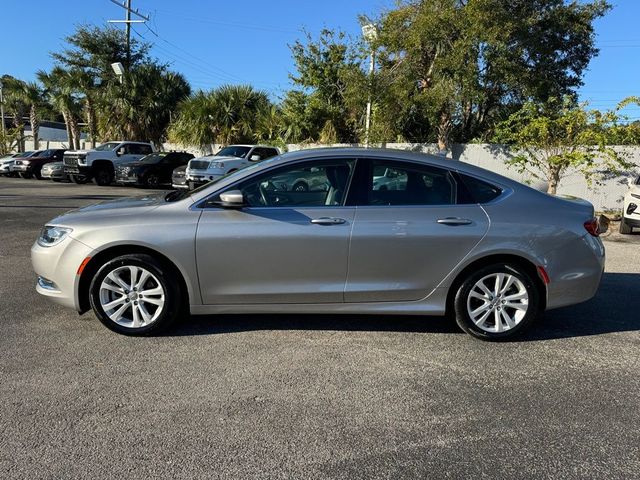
[
  {"x": 112, "y": 208},
  {"x": 81, "y": 152}
]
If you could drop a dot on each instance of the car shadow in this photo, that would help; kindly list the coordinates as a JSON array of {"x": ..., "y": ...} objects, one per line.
[{"x": 614, "y": 309}]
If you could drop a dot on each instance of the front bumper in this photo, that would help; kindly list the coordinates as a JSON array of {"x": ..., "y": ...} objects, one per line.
[
  {"x": 54, "y": 174},
  {"x": 182, "y": 186},
  {"x": 56, "y": 268},
  {"x": 128, "y": 180},
  {"x": 83, "y": 170},
  {"x": 21, "y": 168}
]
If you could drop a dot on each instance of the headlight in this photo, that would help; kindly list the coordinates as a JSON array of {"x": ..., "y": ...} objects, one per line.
[
  {"x": 26, "y": 162},
  {"x": 82, "y": 160},
  {"x": 52, "y": 235},
  {"x": 216, "y": 165}
]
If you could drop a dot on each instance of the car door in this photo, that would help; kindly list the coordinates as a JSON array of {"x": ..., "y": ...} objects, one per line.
[
  {"x": 410, "y": 234},
  {"x": 284, "y": 246}
]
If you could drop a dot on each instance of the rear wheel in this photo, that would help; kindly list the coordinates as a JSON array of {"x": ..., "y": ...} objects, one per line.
[
  {"x": 497, "y": 302},
  {"x": 135, "y": 295},
  {"x": 625, "y": 228}
]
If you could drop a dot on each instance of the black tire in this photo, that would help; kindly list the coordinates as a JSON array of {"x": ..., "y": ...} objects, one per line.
[
  {"x": 462, "y": 295},
  {"x": 166, "y": 277},
  {"x": 152, "y": 180},
  {"x": 25, "y": 175},
  {"x": 103, "y": 176},
  {"x": 625, "y": 228},
  {"x": 38, "y": 174},
  {"x": 79, "y": 179},
  {"x": 300, "y": 187}
]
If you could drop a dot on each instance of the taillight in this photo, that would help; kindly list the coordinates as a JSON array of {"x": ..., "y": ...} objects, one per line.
[{"x": 592, "y": 227}]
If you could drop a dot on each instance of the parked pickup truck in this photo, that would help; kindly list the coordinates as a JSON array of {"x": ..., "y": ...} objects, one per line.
[
  {"x": 99, "y": 164},
  {"x": 231, "y": 158}
]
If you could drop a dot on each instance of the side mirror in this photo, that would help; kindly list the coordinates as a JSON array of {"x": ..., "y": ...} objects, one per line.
[
  {"x": 120, "y": 151},
  {"x": 255, "y": 158},
  {"x": 231, "y": 199}
]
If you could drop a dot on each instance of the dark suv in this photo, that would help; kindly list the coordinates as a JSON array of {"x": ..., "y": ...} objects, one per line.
[
  {"x": 153, "y": 170},
  {"x": 31, "y": 166}
]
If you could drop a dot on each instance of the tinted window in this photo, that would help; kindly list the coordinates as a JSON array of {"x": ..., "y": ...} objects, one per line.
[
  {"x": 302, "y": 185},
  {"x": 233, "y": 151},
  {"x": 397, "y": 183},
  {"x": 480, "y": 191},
  {"x": 265, "y": 152},
  {"x": 136, "y": 149}
]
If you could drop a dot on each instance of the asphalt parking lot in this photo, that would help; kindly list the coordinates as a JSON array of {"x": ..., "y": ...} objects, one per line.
[{"x": 309, "y": 396}]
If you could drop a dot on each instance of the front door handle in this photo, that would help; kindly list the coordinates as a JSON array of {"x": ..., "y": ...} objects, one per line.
[
  {"x": 454, "y": 221},
  {"x": 328, "y": 221}
]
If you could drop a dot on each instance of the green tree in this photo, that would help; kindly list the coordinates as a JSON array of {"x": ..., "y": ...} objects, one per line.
[
  {"x": 326, "y": 68},
  {"x": 229, "y": 114},
  {"x": 467, "y": 64},
  {"x": 551, "y": 138},
  {"x": 59, "y": 88}
]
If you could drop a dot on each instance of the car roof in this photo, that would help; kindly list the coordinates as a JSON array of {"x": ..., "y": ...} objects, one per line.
[{"x": 395, "y": 154}]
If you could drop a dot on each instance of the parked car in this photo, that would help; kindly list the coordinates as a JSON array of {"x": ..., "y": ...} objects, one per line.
[
  {"x": 453, "y": 240},
  {"x": 630, "y": 211},
  {"x": 179, "y": 178},
  {"x": 234, "y": 157},
  {"x": 31, "y": 166},
  {"x": 6, "y": 162},
  {"x": 99, "y": 164},
  {"x": 54, "y": 171},
  {"x": 153, "y": 170}
]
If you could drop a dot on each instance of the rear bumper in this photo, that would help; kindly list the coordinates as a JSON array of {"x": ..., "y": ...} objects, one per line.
[
  {"x": 128, "y": 180},
  {"x": 575, "y": 270}
]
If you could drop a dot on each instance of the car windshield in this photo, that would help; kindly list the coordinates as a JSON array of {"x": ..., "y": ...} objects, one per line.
[
  {"x": 107, "y": 146},
  {"x": 38, "y": 153},
  {"x": 233, "y": 151},
  {"x": 180, "y": 194},
  {"x": 153, "y": 158}
]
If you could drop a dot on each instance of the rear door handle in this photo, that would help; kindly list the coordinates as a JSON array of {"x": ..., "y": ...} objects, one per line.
[
  {"x": 328, "y": 221},
  {"x": 454, "y": 221}
]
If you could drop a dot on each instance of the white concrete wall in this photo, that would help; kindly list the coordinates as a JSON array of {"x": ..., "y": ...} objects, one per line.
[{"x": 606, "y": 196}]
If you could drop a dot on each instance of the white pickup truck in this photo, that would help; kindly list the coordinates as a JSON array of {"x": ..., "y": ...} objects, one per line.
[
  {"x": 231, "y": 158},
  {"x": 99, "y": 164}
]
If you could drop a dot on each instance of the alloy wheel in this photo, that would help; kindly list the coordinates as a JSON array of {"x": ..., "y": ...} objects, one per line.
[
  {"x": 498, "y": 302},
  {"x": 132, "y": 296}
]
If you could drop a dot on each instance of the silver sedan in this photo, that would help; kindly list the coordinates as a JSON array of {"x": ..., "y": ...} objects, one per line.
[{"x": 450, "y": 239}]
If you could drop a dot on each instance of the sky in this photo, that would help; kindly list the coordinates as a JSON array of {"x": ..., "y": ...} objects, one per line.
[{"x": 216, "y": 42}]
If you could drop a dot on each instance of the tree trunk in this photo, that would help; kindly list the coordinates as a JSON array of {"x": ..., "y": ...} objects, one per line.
[
  {"x": 35, "y": 127},
  {"x": 75, "y": 131},
  {"x": 553, "y": 178},
  {"x": 65, "y": 116},
  {"x": 91, "y": 122},
  {"x": 444, "y": 131}
]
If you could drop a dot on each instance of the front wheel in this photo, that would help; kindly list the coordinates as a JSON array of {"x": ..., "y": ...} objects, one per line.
[
  {"x": 79, "y": 179},
  {"x": 152, "y": 180},
  {"x": 135, "y": 295},
  {"x": 25, "y": 175},
  {"x": 103, "y": 176},
  {"x": 497, "y": 302},
  {"x": 625, "y": 228}
]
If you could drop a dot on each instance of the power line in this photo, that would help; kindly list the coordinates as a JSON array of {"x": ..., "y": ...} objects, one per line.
[{"x": 128, "y": 22}]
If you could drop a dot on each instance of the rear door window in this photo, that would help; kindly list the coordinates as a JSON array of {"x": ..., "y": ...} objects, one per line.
[{"x": 399, "y": 183}]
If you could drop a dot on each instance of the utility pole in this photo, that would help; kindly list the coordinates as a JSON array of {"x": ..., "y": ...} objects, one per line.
[
  {"x": 2, "y": 112},
  {"x": 370, "y": 34},
  {"x": 127, "y": 6}
]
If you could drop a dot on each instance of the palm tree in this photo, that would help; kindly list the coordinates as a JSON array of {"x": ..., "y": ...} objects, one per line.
[
  {"x": 84, "y": 83},
  {"x": 16, "y": 107},
  {"x": 59, "y": 88},
  {"x": 31, "y": 94}
]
